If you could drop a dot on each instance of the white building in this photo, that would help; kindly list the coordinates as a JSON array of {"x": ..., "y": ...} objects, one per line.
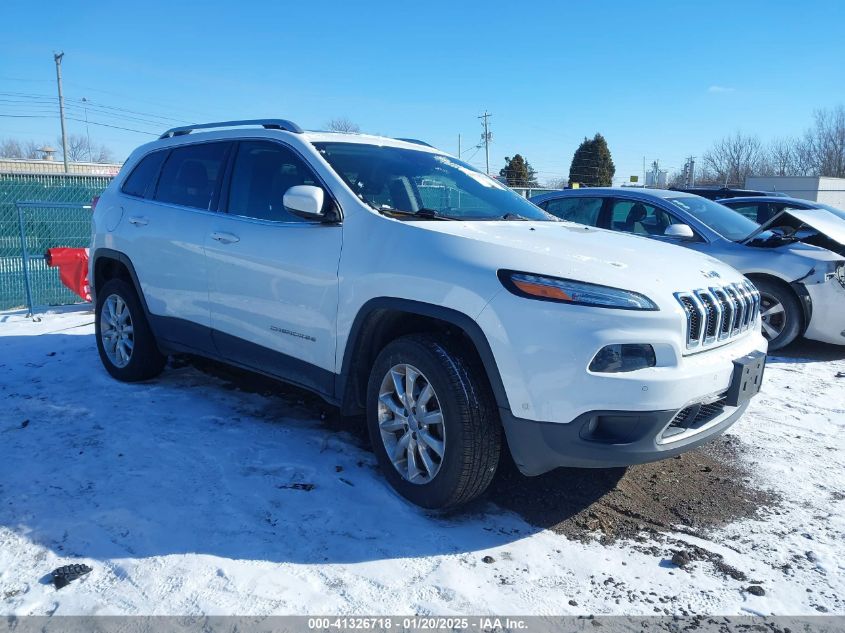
[
  {"x": 818, "y": 189},
  {"x": 657, "y": 178},
  {"x": 40, "y": 166}
]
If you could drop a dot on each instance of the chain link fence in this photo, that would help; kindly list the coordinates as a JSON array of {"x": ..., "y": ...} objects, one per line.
[{"x": 37, "y": 212}]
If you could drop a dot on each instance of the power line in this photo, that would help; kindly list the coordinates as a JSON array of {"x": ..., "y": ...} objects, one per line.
[
  {"x": 23, "y": 98},
  {"x": 116, "y": 127},
  {"x": 159, "y": 104},
  {"x": 54, "y": 117}
]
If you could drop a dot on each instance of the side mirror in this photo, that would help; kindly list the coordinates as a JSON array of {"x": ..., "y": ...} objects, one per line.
[
  {"x": 679, "y": 231},
  {"x": 305, "y": 200}
]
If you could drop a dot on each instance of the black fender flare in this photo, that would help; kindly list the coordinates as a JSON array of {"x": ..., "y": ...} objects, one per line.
[
  {"x": 453, "y": 317},
  {"x": 108, "y": 253}
]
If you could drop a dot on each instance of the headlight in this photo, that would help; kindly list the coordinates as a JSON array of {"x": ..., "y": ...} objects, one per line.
[
  {"x": 573, "y": 292},
  {"x": 840, "y": 273}
]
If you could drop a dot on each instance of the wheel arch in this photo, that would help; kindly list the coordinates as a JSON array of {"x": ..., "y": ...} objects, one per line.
[
  {"x": 384, "y": 319},
  {"x": 108, "y": 264}
]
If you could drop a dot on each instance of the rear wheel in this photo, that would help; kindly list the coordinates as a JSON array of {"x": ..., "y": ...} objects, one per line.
[
  {"x": 432, "y": 421},
  {"x": 125, "y": 341},
  {"x": 780, "y": 313}
]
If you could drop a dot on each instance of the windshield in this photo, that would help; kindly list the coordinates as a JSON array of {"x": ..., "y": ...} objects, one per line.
[
  {"x": 726, "y": 222},
  {"x": 412, "y": 181}
]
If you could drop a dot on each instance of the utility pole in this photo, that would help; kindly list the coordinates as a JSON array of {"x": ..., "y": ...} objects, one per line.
[
  {"x": 689, "y": 172},
  {"x": 58, "y": 59},
  {"x": 485, "y": 138},
  {"x": 87, "y": 129}
]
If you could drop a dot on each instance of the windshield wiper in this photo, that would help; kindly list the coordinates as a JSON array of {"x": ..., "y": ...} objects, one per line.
[
  {"x": 514, "y": 216},
  {"x": 768, "y": 237},
  {"x": 424, "y": 213}
]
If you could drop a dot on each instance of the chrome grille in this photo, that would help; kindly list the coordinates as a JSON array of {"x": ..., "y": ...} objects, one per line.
[{"x": 719, "y": 313}]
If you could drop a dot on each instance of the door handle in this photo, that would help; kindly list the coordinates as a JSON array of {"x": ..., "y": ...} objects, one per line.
[
  {"x": 225, "y": 238},
  {"x": 138, "y": 221}
]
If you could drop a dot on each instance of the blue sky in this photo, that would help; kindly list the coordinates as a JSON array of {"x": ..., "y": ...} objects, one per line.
[{"x": 659, "y": 80}]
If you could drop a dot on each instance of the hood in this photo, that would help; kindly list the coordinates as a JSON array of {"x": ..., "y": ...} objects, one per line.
[
  {"x": 582, "y": 253},
  {"x": 814, "y": 226}
]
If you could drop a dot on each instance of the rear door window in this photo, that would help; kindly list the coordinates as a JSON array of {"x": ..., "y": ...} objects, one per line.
[
  {"x": 576, "y": 209},
  {"x": 191, "y": 174},
  {"x": 141, "y": 181}
]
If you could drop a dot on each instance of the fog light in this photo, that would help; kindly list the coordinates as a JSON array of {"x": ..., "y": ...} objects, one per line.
[{"x": 628, "y": 357}]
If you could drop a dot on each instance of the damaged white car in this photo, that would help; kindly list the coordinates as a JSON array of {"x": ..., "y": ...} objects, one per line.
[{"x": 796, "y": 259}]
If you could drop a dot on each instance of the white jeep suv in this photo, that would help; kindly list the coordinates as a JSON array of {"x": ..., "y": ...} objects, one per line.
[{"x": 397, "y": 281}]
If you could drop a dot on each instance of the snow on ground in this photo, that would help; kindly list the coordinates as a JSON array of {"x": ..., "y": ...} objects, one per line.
[{"x": 189, "y": 497}]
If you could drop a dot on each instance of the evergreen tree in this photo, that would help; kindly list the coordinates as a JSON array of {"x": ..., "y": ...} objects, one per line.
[
  {"x": 518, "y": 172},
  {"x": 592, "y": 165}
]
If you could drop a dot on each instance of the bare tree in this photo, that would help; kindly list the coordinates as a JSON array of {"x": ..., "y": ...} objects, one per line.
[
  {"x": 78, "y": 150},
  {"x": 103, "y": 154},
  {"x": 342, "y": 124},
  {"x": 731, "y": 160},
  {"x": 13, "y": 148},
  {"x": 782, "y": 158},
  {"x": 32, "y": 150},
  {"x": 556, "y": 183},
  {"x": 678, "y": 179},
  {"x": 77, "y": 147},
  {"x": 823, "y": 145}
]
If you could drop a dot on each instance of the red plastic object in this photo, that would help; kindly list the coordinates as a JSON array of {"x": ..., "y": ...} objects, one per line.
[{"x": 73, "y": 268}]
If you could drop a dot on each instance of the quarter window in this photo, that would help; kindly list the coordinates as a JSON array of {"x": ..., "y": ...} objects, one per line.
[
  {"x": 263, "y": 173},
  {"x": 142, "y": 179},
  {"x": 580, "y": 210},
  {"x": 191, "y": 174}
]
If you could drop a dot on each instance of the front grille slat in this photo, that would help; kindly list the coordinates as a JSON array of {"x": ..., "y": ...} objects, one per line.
[
  {"x": 713, "y": 315},
  {"x": 719, "y": 313},
  {"x": 728, "y": 310}
]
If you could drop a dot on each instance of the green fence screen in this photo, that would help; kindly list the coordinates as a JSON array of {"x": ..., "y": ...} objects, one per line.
[{"x": 45, "y": 227}]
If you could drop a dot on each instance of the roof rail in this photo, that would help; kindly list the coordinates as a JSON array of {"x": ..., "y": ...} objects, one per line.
[
  {"x": 268, "y": 124},
  {"x": 415, "y": 142}
]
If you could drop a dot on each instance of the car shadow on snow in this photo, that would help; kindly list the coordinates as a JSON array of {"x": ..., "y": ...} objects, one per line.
[
  {"x": 806, "y": 351},
  {"x": 210, "y": 460}
]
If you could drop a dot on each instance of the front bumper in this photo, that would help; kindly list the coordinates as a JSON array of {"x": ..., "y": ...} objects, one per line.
[
  {"x": 607, "y": 439},
  {"x": 827, "y": 323},
  {"x": 543, "y": 351}
]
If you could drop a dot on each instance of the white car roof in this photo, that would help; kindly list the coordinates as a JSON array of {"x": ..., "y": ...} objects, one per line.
[{"x": 366, "y": 139}]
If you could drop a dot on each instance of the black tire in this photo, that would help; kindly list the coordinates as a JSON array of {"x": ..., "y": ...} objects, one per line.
[
  {"x": 471, "y": 423},
  {"x": 145, "y": 360},
  {"x": 792, "y": 317}
]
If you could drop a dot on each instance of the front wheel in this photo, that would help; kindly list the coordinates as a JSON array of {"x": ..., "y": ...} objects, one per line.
[
  {"x": 780, "y": 313},
  {"x": 432, "y": 421}
]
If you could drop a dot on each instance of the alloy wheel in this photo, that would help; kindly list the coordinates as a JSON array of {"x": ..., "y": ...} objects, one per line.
[
  {"x": 117, "y": 331},
  {"x": 772, "y": 316},
  {"x": 411, "y": 424}
]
